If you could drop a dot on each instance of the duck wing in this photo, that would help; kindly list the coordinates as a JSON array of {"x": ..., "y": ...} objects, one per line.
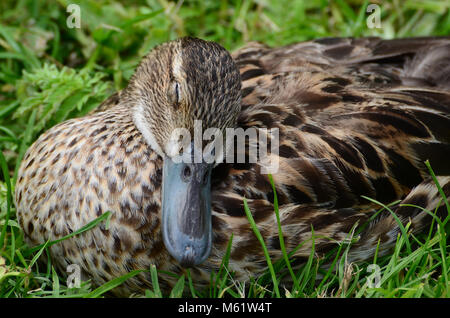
[
  {"x": 356, "y": 117},
  {"x": 375, "y": 108}
]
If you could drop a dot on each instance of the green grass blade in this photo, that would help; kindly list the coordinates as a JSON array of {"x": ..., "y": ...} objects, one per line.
[
  {"x": 261, "y": 241},
  {"x": 8, "y": 109},
  {"x": 140, "y": 18},
  {"x": 25, "y": 142},
  {"x": 400, "y": 224},
  {"x": 113, "y": 284},
  {"x": 36, "y": 256},
  {"x": 177, "y": 291},
  {"x": 280, "y": 233},
  {"x": 441, "y": 192},
  {"x": 5, "y": 171},
  {"x": 304, "y": 277},
  {"x": 55, "y": 280},
  {"x": 154, "y": 274},
  {"x": 191, "y": 285},
  {"x": 85, "y": 228},
  {"x": 223, "y": 267}
]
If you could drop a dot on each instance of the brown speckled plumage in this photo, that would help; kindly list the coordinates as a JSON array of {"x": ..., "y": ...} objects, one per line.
[{"x": 356, "y": 117}]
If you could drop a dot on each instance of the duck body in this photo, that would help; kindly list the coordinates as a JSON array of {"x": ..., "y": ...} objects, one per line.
[{"x": 356, "y": 117}]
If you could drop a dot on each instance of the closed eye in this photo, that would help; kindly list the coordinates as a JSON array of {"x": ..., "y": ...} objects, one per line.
[
  {"x": 174, "y": 94},
  {"x": 177, "y": 92}
]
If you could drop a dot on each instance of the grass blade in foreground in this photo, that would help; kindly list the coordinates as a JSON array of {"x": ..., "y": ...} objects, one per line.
[
  {"x": 280, "y": 233},
  {"x": 261, "y": 240},
  {"x": 177, "y": 291},
  {"x": 113, "y": 283},
  {"x": 5, "y": 171},
  {"x": 85, "y": 228}
]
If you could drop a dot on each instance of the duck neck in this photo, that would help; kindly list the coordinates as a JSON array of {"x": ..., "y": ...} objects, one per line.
[{"x": 143, "y": 124}]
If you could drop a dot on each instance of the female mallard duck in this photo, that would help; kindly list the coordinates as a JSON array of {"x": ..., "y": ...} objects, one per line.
[{"x": 355, "y": 117}]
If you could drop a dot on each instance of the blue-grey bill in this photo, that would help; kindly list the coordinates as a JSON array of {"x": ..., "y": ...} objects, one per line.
[{"x": 186, "y": 212}]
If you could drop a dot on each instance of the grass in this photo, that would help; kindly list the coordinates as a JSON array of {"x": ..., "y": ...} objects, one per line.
[{"x": 49, "y": 73}]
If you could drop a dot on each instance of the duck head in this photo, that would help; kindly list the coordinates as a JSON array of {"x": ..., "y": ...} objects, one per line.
[{"x": 180, "y": 88}]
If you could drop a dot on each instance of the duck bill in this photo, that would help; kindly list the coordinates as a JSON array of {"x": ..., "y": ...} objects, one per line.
[{"x": 186, "y": 211}]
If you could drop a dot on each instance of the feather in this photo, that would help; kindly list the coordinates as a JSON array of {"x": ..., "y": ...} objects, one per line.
[{"x": 356, "y": 117}]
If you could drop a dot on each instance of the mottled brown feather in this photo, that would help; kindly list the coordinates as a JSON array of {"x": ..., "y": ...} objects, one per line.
[{"x": 356, "y": 117}]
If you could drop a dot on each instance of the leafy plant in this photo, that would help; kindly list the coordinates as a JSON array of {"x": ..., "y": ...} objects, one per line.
[{"x": 58, "y": 94}]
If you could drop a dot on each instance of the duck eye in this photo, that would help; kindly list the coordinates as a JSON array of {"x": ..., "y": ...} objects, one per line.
[
  {"x": 177, "y": 92},
  {"x": 174, "y": 93}
]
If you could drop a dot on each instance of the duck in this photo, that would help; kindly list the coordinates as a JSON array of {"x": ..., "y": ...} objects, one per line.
[{"x": 355, "y": 118}]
